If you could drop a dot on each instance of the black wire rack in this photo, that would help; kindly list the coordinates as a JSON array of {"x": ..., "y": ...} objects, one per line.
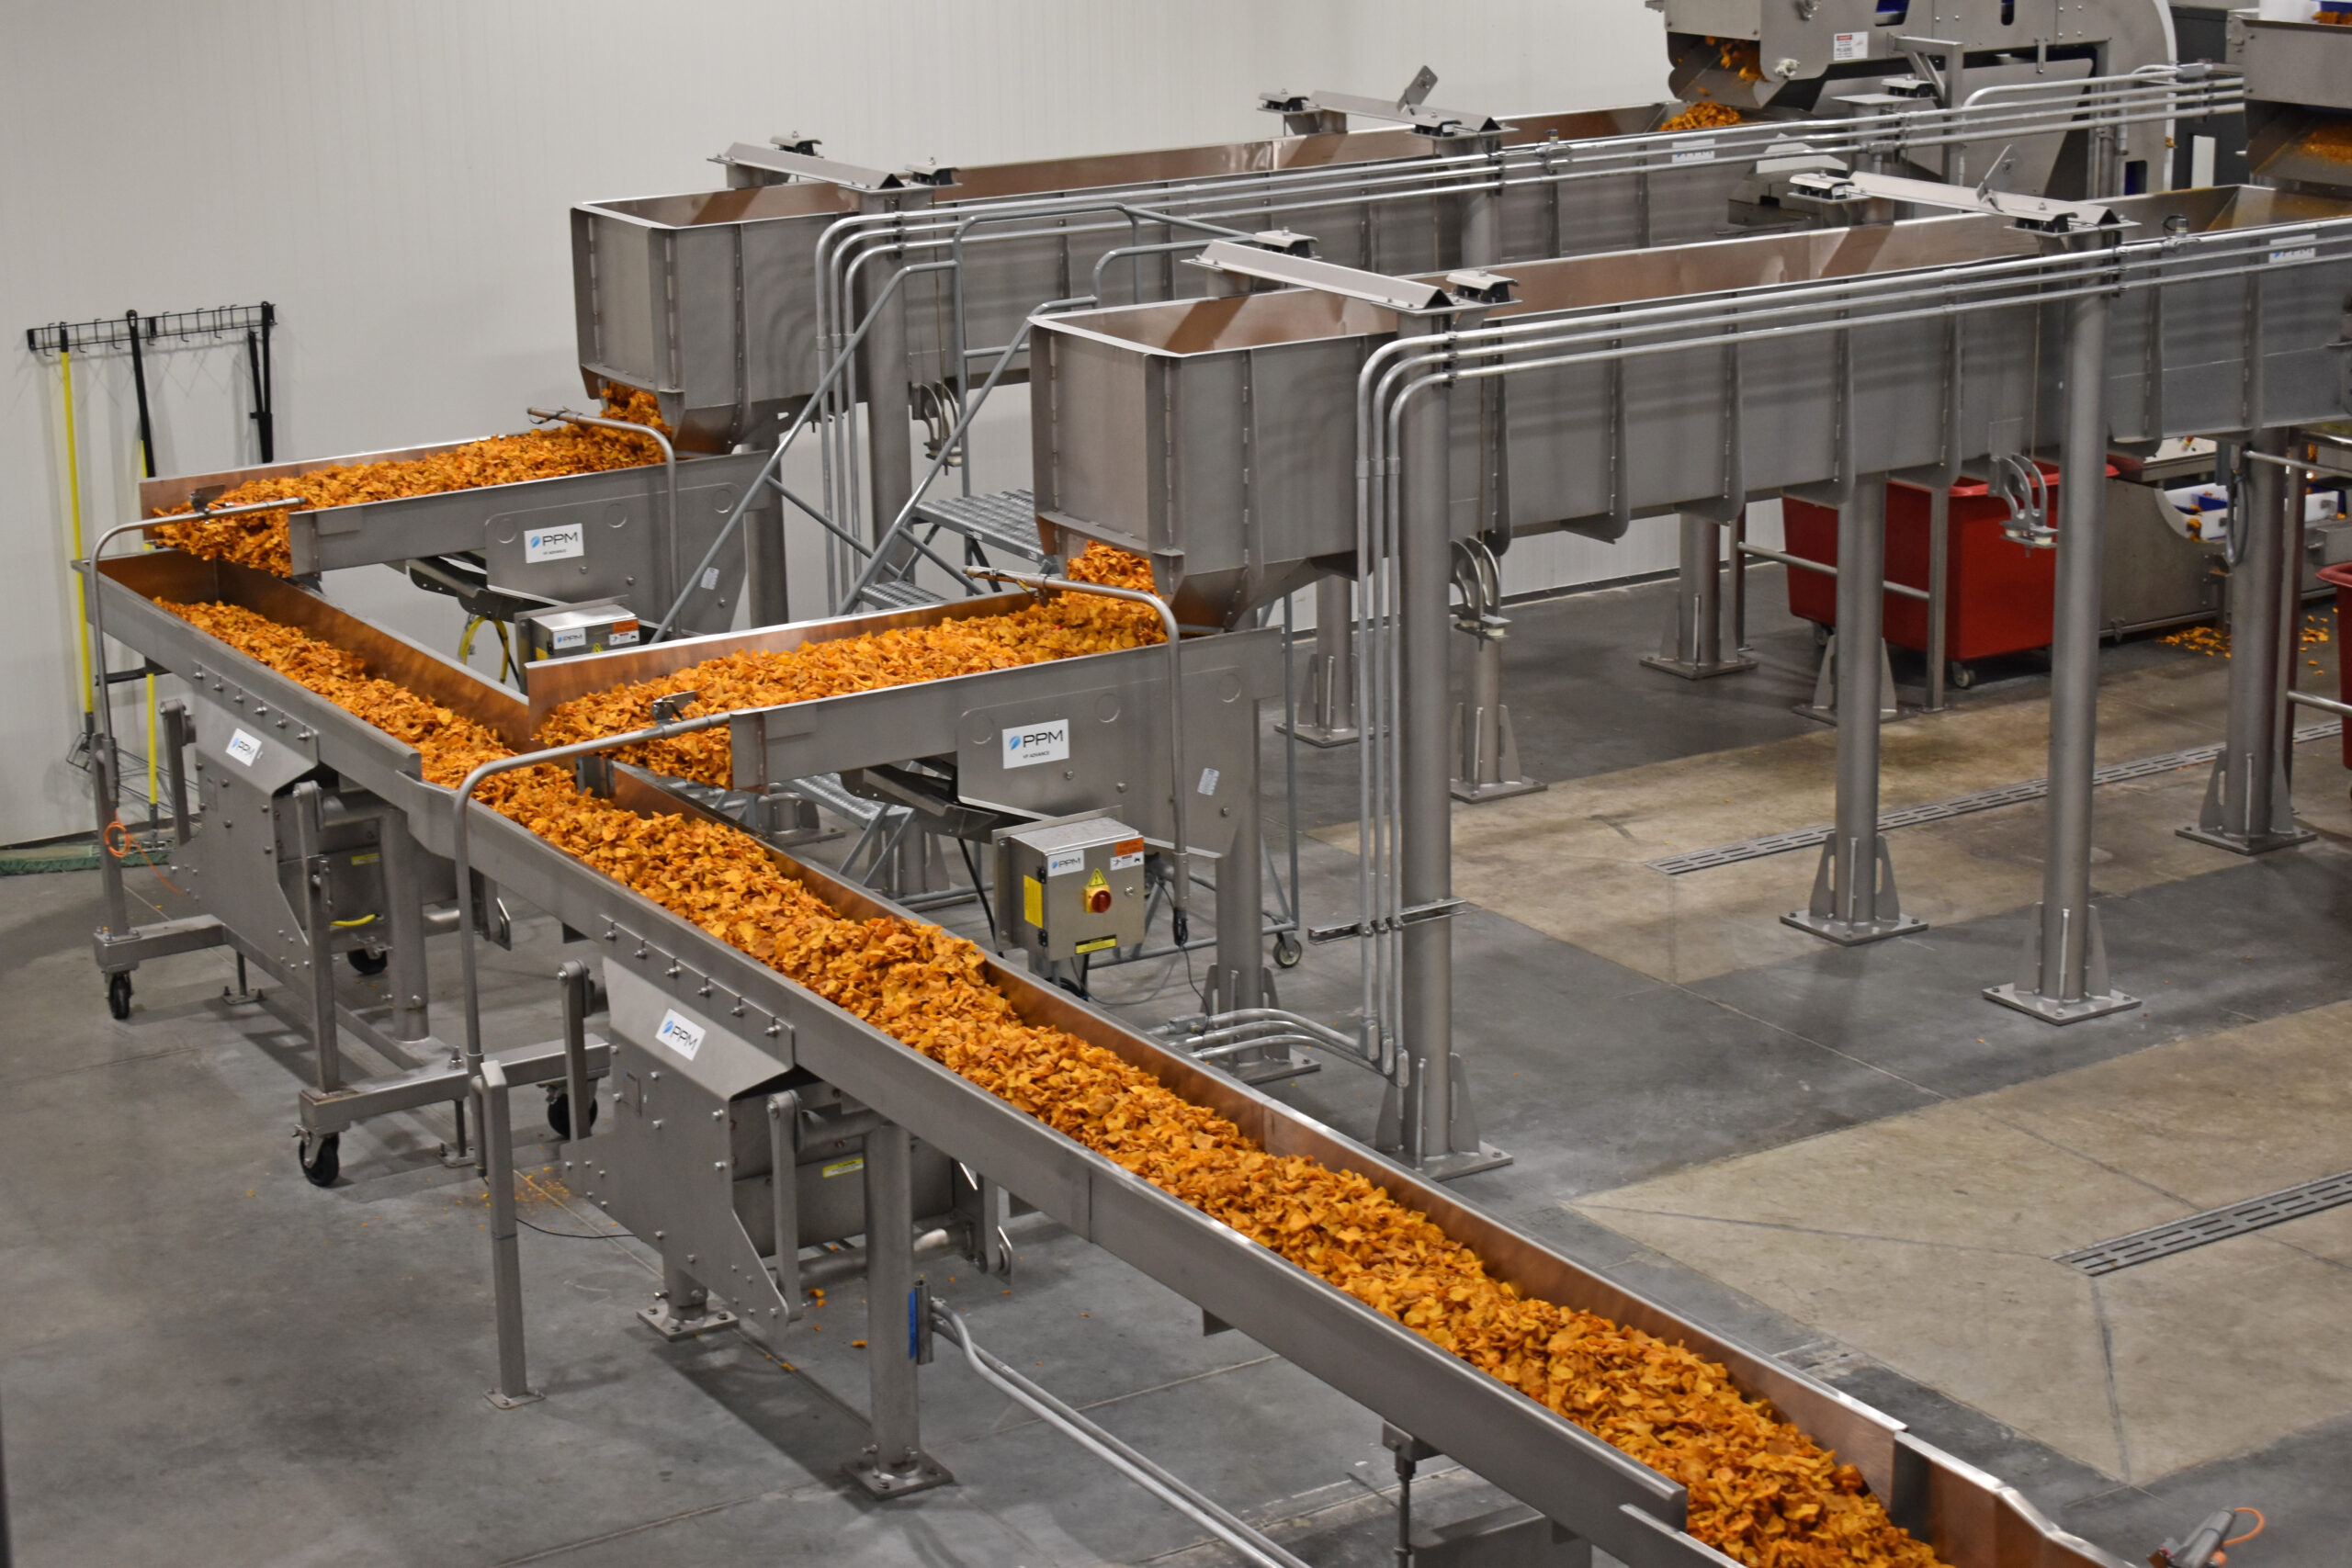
[
  {"x": 138, "y": 335},
  {"x": 115, "y": 334}
]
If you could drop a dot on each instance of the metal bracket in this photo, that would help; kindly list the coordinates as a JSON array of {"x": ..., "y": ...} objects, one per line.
[{"x": 1438, "y": 909}]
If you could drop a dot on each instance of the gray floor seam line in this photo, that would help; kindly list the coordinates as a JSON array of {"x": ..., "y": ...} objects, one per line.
[
  {"x": 2107, "y": 1366},
  {"x": 101, "y": 1066},
  {"x": 1806, "y": 1230},
  {"x": 1799, "y": 1034},
  {"x": 549, "y": 1553},
  {"x": 2048, "y": 1141}
]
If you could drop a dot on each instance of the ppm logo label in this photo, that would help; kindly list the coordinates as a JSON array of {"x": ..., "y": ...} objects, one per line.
[
  {"x": 561, "y": 542},
  {"x": 1028, "y": 744},
  {"x": 681, "y": 1034}
]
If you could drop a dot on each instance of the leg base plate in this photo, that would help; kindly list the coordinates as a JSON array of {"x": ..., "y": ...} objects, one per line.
[
  {"x": 879, "y": 1484},
  {"x": 673, "y": 1327},
  {"x": 1852, "y": 933},
  {"x": 1690, "y": 669},
  {"x": 1324, "y": 735},
  {"x": 2246, "y": 843},
  {"x": 2052, "y": 1011},
  {"x": 1451, "y": 1165},
  {"x": 513, "y": 1401},
  {"x": 1503, "y": 789}
]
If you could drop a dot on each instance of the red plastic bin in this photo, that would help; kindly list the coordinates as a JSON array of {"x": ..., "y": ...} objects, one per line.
[
  {"x": 2340, "y": 578},
  {"x": 1998, "y": 594}
]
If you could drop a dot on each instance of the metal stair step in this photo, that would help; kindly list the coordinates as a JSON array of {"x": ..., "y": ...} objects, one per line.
[
  {"x": 1005, "y": 520},
  {"x": 899, "y": 596}
]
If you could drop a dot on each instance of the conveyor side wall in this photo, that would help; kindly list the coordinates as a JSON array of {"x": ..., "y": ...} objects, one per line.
[
  {"x": 1498, "y": 1432},
  {"x": 1219, "y": 437}
]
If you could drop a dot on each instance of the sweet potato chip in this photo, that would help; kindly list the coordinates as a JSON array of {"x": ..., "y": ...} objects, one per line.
[{"x": 1761, "y": 1490}]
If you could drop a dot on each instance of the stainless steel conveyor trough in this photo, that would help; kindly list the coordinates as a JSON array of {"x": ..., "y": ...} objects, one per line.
[{"x": 1584, "y": 1484}]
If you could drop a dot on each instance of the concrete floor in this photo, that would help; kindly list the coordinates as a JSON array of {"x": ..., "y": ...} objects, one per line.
[{"x": 1846, "y": 1158}]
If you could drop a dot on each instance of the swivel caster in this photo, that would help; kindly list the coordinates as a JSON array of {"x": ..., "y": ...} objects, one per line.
[
  {"x": 559, "y": 1112},
  {"x": 322, "y": 1160},
  {"x": 368, "y": 962},
  {"x": 1960, "y": 675},
  {"x": 119, "y": 995},
  {"x": 1287, "y": 952}
]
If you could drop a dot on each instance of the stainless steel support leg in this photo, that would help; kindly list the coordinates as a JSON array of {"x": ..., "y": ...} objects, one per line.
[
  {"x": 1238, "y": 980},
  {"x": 1439, "y": 1131},
  {"x": 1330, "y": 715},
  {"x": 2248, "y": 806},
  {"x": 783, "y": 1193},
  {"x": 683, "y": 1309},
  {"x": 1854, "y": 899},
  {"x": 1487, "y": 751},
  {"x": 506, "y": 1239},
  {"x": 407, "y": 977},
  {"x": 2065, "y": 975},
  {"x": 106, "y": 764},
  {"x": 1738, "y": 590},
  {"x": 318, "y": 932},
  {"x": 890, "y": 414},
  {"x": 1938, "y": 592},
  {"x": 579, "y": 1105},
  {"x": 176, "y": 732},
  {"x": 766, "y": 579},
  {"x": 1693, "y": 643},
  {"x": 895, "y": 1324}
]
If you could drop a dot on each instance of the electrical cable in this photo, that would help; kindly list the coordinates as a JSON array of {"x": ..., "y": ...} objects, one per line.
[
  {"x": 567, "y": 1235},
  {"x": 508, "y": 669},
  {"x": 127, "y": 846},
  {"x": 2260, "y": 1523}
]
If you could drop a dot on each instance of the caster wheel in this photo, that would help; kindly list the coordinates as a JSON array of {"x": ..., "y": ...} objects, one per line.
[
  {"x": 119, "y": 996},
  {"x": 322, "y": 1161},
  {"x": 1960, "y": 675},
  {"x": 559, "y": 1113},
  {"x": 1287, "y": 952},
  {"x": 368, "y": 962},
  {"x": 1820, "y": 635}
]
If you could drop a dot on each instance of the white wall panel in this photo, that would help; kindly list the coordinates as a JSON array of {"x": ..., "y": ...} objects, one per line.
[{"x": 395, "y": 177}]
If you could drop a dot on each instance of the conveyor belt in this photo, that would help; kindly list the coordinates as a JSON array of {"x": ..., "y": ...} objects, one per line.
[{"x": 1621, "y": 1506}]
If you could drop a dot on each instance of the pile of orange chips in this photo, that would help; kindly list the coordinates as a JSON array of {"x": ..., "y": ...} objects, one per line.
[
  {"x": 1761, "y": 1490},
  {"x": 257, "y": 539},
  {"x": 1058, "y": 627},
  {"x": 1706, "y": 112}
]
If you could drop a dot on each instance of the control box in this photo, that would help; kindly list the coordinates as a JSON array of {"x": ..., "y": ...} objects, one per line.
[
  {"x": 1069, "y": 886},
  {"x": 569, "y": 630}
]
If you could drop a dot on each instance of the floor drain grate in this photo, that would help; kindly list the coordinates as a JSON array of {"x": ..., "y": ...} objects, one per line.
[
  {"x": 1958, "y": 805},
  {"x": 2214, "y": 1224}
]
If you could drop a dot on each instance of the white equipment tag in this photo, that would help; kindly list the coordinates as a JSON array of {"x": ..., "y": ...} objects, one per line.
[
  {"x": 680, "y": 1034},
  {"x": 243, "y": 748},
  {"x": 1061, "y": 863},
  {"x": 1849, "y": 45},
  {"x": 561, "y": 542},
  {"x": 2294, "y": 248},
  {"x": 1031, "y": 744}
]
